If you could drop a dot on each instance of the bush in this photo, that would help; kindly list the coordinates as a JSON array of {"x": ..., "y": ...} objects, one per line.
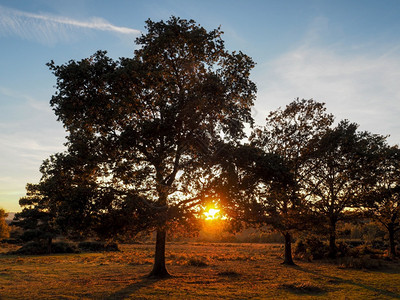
[
  {"x": 64, "y": 247},
  {"x": 364, "y": 262},
  {"x": 342, "y": 249},
  {"x": 228, "y": 273},
  {"x": 11, "y": 241},
  {"x": 300, "y": 250},
  {"x": 40, "y": 248},
  {"x": 197, "y": 262},
  {"x": 354, "y": 243},
  {"x": 381, "y": 245},
  {"x": 311, "y": 248},
  {"x": 365, "y": 250},
  {"x": 97, "y": 246}
]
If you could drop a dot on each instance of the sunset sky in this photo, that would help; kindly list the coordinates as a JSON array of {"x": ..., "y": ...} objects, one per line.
[{"x": 343, "y": 53}]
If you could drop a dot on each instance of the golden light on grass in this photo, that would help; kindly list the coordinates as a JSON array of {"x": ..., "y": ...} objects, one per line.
[{"x": 212, "y": 270}]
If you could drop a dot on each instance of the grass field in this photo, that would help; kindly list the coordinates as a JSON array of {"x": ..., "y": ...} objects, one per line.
[{"x": 200, "y": 270}]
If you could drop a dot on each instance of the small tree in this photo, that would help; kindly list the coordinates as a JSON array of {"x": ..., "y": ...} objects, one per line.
[
  {"x": 4, "y": 228},
  {"x": 346, "y": 161},
  {"x": 37, "y": 222},
  {"x": 39, "y": 216},
  {"x": 383, "y": 200},
  {"x": 61, "y": 203},
  {"x": 288, "y": 133}
]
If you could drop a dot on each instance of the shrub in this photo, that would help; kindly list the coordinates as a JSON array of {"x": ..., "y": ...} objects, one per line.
[
  {"x": 31, "y": 248},
  {"x": 311, "y": 248},
  {"x": 364, "y": 250},
  {"x": 354, "y": 243},
  {"x": 364, "y": 262},
  {"x": 64, "y": 247},
  {"x": 342, "y": 249},
  {"x": 300, "y": 250},
  {"x": 381, "y": 245},
  {"x": 228, "y": 273},
  {"x": 92, "y": 246},
  {"x": 11, "y": 241},
  {"x": 197, "y": 262},
  {"x": 40, "y": 248}
]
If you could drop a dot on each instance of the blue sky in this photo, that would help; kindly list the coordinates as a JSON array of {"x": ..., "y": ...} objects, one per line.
[{"x": 344, "y": 53}]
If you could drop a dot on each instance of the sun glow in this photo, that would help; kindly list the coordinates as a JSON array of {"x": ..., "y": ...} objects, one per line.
[{"x": 212, "y": 214}]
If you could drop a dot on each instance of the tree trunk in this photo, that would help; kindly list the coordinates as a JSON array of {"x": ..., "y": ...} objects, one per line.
[
  {"x": 159, "y": 269},
  {"x": 288, "y": 249},
  {"x": 392, "y": 245},
  {"x": 332, "y": 240},
  {"x": 49, "y": 243}
]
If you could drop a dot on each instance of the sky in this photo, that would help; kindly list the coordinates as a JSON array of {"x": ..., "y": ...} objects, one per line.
[{"x": 343, "y": 53}]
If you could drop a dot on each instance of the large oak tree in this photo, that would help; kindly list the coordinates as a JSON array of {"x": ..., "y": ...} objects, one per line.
[{"x": 149, "y": 123}]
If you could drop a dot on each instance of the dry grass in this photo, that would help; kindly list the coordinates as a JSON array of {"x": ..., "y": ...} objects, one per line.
[{"x": 230, "y": 271}]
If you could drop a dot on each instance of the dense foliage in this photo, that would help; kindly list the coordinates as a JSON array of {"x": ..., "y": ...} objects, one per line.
[{"x": 143, "y": 129}]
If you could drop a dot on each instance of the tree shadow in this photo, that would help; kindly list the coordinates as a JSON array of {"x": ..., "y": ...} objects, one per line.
[
  {"x": 338, "y": 280},
  {"x": 129, "y": 291},
  {"x": 303, "y": 289}
]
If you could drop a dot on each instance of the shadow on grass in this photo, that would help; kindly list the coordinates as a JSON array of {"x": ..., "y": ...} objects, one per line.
[
  {"x": 129, "y": 291},
  {"x": 302, "y": 288},
  {"x": 305, "y": 288},
  {"x": 338, "y": 280}
]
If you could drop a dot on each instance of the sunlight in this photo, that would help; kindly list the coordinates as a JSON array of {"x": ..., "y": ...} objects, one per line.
[{"x": 212, "y": 214}]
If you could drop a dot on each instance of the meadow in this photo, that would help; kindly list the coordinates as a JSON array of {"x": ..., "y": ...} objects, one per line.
[{"x": 200, "y": 271}]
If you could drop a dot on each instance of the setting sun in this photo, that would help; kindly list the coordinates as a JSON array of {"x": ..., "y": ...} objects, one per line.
[{"x": 212, "y": 214}]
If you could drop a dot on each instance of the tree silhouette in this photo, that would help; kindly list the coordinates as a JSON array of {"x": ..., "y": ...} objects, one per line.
[
  {"x": 242, "y": 171},
  {"x": 149, "y": 122},
  {"x": 51, "y": 207},
  {"x": 38, "y": 216},
  {"x": 288, "y": 133},
  {"x": 383, "y": 200},
  {"x": 346, "y": 161}
]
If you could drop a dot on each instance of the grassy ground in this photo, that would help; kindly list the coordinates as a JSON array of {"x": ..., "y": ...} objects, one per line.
[{"x": 231, "y": 271}]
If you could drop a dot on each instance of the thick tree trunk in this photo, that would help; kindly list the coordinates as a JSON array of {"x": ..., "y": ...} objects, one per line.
[
  {"x": 332, "y": 240},
  {"x": 288, "y": 249},
  {"x": 159, "y": 269},
  {"x": 392, "y": 245}
]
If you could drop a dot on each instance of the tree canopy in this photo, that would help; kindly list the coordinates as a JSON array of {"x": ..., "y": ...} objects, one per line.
[
  {"x": 346, "y": 160},
  {"x": 382, "y": 200},
  {"x": 144, "y": 126},
  {"x": 289, "y": 133}
]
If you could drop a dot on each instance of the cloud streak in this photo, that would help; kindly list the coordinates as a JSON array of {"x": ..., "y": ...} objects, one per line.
[{"x": 50, "y": 29}]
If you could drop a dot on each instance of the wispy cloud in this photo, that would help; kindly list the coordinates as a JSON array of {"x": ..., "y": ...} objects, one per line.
[
  {"x": 7, "y": 94},
  {"x": 362, "y": 86},
  {"x": 50, "y": 29}
]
